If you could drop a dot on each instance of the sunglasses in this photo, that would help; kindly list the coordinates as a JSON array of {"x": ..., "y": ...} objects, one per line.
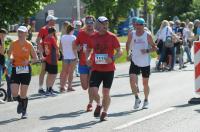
[{"x": 89, "y": 22}]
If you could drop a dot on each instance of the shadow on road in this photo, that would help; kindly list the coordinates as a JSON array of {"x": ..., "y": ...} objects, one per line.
[
  {"x": 124, "y": 113},
  {"x": 122, "y": 95},
  {"x": 63, "y": 115},
  {"x": 9, "y": 121},
  {"x": 184, "y": 105},
  {"x": 74, "y": 127},
  {"x": 122, "y": 76}
]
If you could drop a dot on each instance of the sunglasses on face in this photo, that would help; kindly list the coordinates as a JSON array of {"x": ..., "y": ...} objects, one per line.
[{"x": 89, "y": 22}]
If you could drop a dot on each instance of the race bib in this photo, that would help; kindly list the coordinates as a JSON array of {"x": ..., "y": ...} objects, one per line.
[
  {"x": 101, "y": 58},
  {"x": 22, "y": 69}
]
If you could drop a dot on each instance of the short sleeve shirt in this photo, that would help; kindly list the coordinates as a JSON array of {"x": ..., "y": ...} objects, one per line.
[
  {"x": 83, "y": 39},
  {"x": 104, "y": 45},
  {"x": 51, "y": 50}
]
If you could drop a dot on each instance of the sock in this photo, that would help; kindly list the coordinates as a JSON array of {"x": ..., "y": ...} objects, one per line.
[
  {"x": 145, "y": 100},
  {"x": 24, "y": 104},
  {"x": 136, "y": 97},
  {"x": 17, "y": 98}
]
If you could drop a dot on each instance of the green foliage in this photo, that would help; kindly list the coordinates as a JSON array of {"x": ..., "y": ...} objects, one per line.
[
  {"x": 167, "y": 9},
  {"x": 112, "y": 9},
  {"x": 12, "y": 10}
]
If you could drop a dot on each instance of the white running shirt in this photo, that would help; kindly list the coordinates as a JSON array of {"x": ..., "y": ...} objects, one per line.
[
  {"x": 66, "y": 41},
  {"x": 139, "y": 43}
]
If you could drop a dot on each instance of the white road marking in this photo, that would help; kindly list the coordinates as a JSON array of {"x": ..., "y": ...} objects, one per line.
[{"x": 143, "y": 119}]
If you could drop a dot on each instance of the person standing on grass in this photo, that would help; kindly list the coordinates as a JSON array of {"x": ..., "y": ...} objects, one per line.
[
  {"x": 140, "y": 60},
  {"x": 40, "y": 41},
  {"x": 70, "y": 58},
  {"x": 105, "y": 44},
  {"x": 19, "y": 53}
]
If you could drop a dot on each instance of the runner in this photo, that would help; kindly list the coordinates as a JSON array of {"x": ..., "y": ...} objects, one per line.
[
  {"x": 83, "y": 44},
  {"x": 41, "y": 36},
  {"x": 19, "y": 53},
  {"x": 140, "y": 61},
  {"x": 103, "y": 67},
  {"x": 70, "y": 59},
  {"x": 129, "y": 43},
  {"x": 51, "y": 59}
]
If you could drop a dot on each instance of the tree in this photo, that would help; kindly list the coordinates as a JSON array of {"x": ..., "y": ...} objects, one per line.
[
  {"x": 12, "y": 10},
  {"x": 112, "y": 9},
  {"x": 167, "y": 9}
]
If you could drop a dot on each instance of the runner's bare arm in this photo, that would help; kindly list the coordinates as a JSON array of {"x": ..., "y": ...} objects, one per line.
[
  {"x": 128, "y": 42},
  {"x": 152, "y": 43}
]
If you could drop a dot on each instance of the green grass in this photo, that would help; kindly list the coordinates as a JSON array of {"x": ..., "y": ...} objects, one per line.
[{"x": 122, "y": 39}]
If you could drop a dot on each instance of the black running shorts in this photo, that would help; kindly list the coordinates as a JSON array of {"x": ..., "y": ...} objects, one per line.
[
  {"x": 136, "y": 70},
  {"x": 51, "y": 69},
  {"x": 23, "y": 78},
  {"x": 98, "y": 76}
]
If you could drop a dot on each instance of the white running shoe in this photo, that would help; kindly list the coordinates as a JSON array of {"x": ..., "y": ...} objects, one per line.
[
  {"x": 145, "y": 105},
  {"x": 137, "y": 103},
  {"x": 2, "y": 102}
]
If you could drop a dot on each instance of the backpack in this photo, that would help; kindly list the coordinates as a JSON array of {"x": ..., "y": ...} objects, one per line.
[{"x": 169, "y": 41}]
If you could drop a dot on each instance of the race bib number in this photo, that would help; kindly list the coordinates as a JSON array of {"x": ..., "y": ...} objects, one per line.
[
  {"x": 101, "y": 58},
  {"x": 22, "y": 69}
]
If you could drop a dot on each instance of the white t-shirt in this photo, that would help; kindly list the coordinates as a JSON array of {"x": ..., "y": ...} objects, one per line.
[
  {"x": 166, "y": 31},
  {"x": 67, "y": 41},
  {"x": 140, "y": 42}
]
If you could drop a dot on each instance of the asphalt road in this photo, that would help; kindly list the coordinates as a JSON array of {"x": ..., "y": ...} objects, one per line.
[{"x": 169, "y": 110}]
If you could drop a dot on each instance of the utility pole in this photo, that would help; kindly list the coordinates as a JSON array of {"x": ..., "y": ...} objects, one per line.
[{"x": 78, "y": 9}]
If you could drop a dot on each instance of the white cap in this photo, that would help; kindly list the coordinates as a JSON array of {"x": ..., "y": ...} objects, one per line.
[
  {"x": 102, "y": 19},
  {"x": 23, "y": 29},
  {"x": 50, "y": 17}
]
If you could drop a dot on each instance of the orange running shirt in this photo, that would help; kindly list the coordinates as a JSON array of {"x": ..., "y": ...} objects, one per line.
[{"x": 20, "y": 52}]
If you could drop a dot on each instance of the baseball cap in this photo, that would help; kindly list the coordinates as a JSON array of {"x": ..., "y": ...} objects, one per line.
[
  {"x": 51, "y": 17},
  {"x": 134, "y": 19},
  {"x": 89, "y": 20},
  {"x": 140, "y": 21},
  {"x": 23, "y": 29},
  {"x": 102, "y": 19}
]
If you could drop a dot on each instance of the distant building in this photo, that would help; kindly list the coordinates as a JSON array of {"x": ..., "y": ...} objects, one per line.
[{"x": 63, "y": 9}]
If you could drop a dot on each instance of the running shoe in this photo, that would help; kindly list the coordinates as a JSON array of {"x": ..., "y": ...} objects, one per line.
[
  {"x": 97, "y": 111},
  {"x": 137, "y": 103},
  {"x": 41, "y": 91},
  {"x": 145, "y": 105},
  {"x": 89, "y": 107},
  {"x": 103, "y": 116},
  {"x": 2, "y": 102}
]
